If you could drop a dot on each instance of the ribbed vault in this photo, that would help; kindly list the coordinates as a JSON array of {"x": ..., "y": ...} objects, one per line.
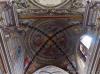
[{"x": 53, "y": 40}]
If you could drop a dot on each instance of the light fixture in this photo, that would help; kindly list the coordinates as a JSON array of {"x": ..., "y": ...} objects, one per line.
[{"x": 86, "y": 40}]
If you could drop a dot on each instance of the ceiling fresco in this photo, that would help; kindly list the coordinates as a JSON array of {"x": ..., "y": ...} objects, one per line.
[
  {"x": 50, "y": 38},
  {"x": 54, "y": 37},
  {"x": 42, "y": 33},
  {"x": 49, "y": 30}
]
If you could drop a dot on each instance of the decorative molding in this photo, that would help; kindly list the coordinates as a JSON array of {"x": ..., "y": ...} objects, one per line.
[
  {"x": 47, "y": 12},
  {"x": 73, "y": 4}
]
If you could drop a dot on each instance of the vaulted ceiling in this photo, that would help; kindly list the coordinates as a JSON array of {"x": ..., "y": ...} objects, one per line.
[
  {"x": 38, "y": 19},
  {"x": 41, "y": 33}
]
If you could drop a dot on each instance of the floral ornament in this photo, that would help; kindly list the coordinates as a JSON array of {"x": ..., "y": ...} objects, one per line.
[{"x": 21, "y": 3}]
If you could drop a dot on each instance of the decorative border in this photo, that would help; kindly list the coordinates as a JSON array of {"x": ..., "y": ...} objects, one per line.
[{"x": 50, "y": 7}]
